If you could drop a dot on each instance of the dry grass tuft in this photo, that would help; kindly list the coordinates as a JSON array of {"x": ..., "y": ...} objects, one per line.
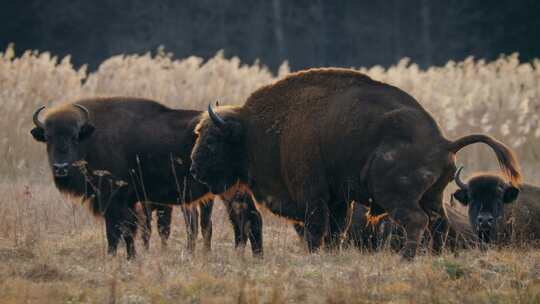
[{"x": 68, "y": 263}]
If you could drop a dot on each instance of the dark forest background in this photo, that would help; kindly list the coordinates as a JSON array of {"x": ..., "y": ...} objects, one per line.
[{"x": 307, "y": 33}]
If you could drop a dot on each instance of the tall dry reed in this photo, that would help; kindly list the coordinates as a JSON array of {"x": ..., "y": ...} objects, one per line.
[{"x": 500, "y": 98}]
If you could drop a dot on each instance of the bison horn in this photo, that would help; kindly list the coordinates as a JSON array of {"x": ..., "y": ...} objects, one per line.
[
  {"x": 35, "y": 117},
  {"x": 85, "y": 110},
  {"x": 458, "y": 180},
  {"x": 218, "y": 121}
]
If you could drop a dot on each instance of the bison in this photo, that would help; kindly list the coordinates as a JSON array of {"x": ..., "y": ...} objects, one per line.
[
  {"x": 499, "y": 212},
  {"x": 310, "y": 143},
  {"x": 115, "y": 152}
]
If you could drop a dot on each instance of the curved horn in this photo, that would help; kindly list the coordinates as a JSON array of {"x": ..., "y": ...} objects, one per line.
[
  {"x": 458, "y": 181},
  {"x": 35, "y": 117},
  {"x": 85, "y": 110},
  {"x": 218, "y": 121}
]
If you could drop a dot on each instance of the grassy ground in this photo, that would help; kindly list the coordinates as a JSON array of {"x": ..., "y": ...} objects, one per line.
[{"x": 53, "y": 251}]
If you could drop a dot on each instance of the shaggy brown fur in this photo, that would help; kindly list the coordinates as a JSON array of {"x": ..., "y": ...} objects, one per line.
[
  {"x": 307, "y": 144},
  {"x": 129, "y": 150}
]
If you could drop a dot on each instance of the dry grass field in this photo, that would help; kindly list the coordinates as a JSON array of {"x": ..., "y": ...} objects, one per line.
[{"x": 53, "y": 251}]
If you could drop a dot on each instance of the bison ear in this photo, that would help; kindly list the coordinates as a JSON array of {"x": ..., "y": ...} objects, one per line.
[
  {"x": 462, "y": 196},
  {"x": 510, "y": 194},
  {"x": 39, "y": 134},
  {"x": 86, "y": 130}
]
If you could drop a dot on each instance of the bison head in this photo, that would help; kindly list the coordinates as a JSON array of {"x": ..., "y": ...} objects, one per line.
[
  {"x": 63, "y": 132},
  {"x": 218, "y": 155},
  {"x": 486, "y": 196}
]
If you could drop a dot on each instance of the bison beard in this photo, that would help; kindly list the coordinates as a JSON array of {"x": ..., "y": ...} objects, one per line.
[
  {"x": 115, "y": 152},
  {"x": 318, "y": 139}
]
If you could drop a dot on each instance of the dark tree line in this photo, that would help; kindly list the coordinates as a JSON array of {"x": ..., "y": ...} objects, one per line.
[{"x": 307, "y": 33}]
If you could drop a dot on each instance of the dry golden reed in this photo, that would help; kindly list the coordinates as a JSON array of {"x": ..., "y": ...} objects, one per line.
[{"x": 500, "y": 98}]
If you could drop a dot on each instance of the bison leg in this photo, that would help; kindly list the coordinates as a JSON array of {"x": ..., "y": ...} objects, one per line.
[
  {"x": 255, "y": 224},
  {"x": 439, "y": 233},
  {"x": 112, "y": 228},
  {"x": 191, "y": 217},
  {"x": 398, "y": 180},
  {"x": 147, "y": 230},
  {"x": 408, "y": 214},
  {"x": 247, "y": 224},
  {"x": 206, "y": 224},
  {"x": 392, "y": 235},
  {"x": 164, "y": 215},
  {"x": 339, "y": 222},
  {"x": 315, "y": 223},
  {"x": 432, "y": 203},
  {"x": 129, "y": 229},
  {"x": 414, "y": 222},
  {"x": 238, "y": 220}
]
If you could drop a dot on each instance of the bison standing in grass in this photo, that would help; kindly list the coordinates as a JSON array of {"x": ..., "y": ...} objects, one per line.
[
  {"x": 499, "y": 212},
  {"x": 115, "y": 152},
  {"x": 312, "y": 142}
]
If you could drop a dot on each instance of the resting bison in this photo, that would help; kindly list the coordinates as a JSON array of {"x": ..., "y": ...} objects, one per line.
[
  {"x": 317, "y": 139},
  {"x": 115, "y": 152},
  {"x": 498, "y": 211}
]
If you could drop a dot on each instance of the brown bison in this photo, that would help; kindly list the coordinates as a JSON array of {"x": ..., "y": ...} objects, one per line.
[
  {"x": 115, "y": 152},
  {"x": 317, "y": 139},
  {"x": 499, "y": 212}
]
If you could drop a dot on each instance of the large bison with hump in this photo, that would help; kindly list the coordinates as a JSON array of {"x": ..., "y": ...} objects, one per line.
[
  {"x": 499, "y": 212},
  {"x": 114, "y": 152},
  {"x": 310, "y": 143}
]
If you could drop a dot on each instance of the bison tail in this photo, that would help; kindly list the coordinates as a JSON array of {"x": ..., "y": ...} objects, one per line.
[{"x": 507, "y": 160}]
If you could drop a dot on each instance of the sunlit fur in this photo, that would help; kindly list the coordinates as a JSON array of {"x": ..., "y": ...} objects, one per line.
[{"x": 317, "y": 139}]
